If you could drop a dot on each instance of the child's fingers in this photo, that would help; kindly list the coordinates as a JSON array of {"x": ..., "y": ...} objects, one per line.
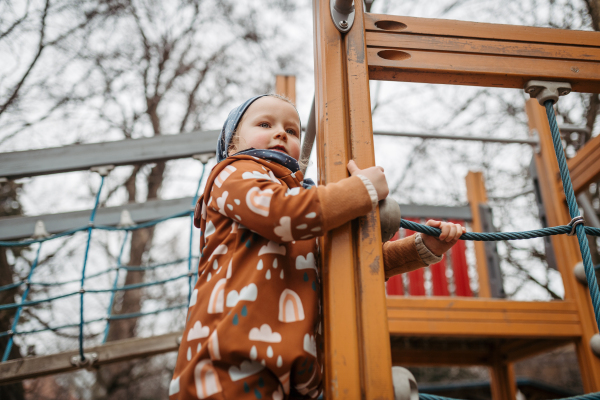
[
  {"x": 352, "y": 167},
  {"x": 459, "y": 230},
  {"x": 452, "y": 233},
  {"x": 434, "y": 223},
  {"x": 445, "y": 231}
]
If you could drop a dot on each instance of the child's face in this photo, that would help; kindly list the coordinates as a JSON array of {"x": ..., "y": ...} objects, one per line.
[{"x": 270, "y": 123}]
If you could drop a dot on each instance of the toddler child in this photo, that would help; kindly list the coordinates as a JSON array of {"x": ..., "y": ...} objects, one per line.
[{"x": 253, "y": 320}]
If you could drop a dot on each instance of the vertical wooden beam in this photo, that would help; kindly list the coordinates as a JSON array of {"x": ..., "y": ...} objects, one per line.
[
  {"x": 476, "y": 195},
  {"x": 342, "y": 359},
  {"x": 566, "y": 247},
  {"x": 285, "y": 85},
  {"x": 502, "y": 379},
  {"x": 374, "y": 337}
]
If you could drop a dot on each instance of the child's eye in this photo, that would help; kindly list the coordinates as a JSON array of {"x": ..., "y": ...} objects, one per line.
[
  {"x": 263, "y": 125},
  {"x": 291, "y": 132}
]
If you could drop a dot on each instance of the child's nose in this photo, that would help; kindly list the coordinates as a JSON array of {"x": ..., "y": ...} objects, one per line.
[{"x": 281, "y": 134}]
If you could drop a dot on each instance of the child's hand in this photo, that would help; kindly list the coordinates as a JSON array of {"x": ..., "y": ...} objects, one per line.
[
  {"x": 375, "y": 175},
  {"x": 448, "y": 238}
]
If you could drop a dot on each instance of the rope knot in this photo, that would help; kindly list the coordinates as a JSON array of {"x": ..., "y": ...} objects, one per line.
[{"x": 578, "y": 220}]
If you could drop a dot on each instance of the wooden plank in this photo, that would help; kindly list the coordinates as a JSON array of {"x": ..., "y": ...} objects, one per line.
[
  {"x": 464, "y": 29},
  {"x": 477, "y": 195},
  {"x": 483, "y": 316},
  {"x": 486, "y": 329},
  {"x": 285, "y": 85},
  {"x": 566, "y": 247},
  {"x": 376, "y": 361},
  {"x": 481, "y": 47},
  {"x": 489, "y": 318},
  {"x": 80, "y": 157},
  {"x": 479, "y": 70},
  {"x": 443, "y": 303},
  {"x": 585, "y": 166},
  {"x": 111, "y": 352},
  {"x": 342, "y": 360}
]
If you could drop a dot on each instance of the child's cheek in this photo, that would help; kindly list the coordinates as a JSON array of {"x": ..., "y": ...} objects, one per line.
[{"x": 295, "y": 149}]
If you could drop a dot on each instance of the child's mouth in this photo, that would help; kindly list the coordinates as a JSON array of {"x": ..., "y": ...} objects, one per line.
[{"x": 278, "y": 148}]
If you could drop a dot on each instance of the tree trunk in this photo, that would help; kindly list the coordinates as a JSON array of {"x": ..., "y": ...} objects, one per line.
[{"x": 8, "y": 197}]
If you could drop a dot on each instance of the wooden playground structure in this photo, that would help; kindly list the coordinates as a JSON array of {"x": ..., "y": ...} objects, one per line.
[
  {"x": 366, "y": 332},
  {"x": 382, "y": 47}
]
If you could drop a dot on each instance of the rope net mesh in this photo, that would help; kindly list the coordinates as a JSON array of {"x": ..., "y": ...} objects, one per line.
[
  {"x": 579, "y": 229},
  {"x": 28, "y": 283}
]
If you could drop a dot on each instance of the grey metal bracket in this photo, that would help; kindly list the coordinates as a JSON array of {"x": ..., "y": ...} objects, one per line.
[
  {"x": 102, "y": 170},
  {"x": 39, "y": 231},
  {"x": 87, "y": 362},
  {"x": 204, "y": 157},
  {"x": 342, "y": 14},
  {"x": 544, "y": 91}
]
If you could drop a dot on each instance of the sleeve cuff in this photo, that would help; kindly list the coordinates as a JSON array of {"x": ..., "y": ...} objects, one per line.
[
  {"x": 370, "y": 189},
  {"x": 426, "y": 255}
]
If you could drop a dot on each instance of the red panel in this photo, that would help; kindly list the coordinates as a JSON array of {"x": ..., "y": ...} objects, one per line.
[
  {"x": 416, "y": 282},
  {"x": 395, "y": 286},
  {"x": 438, "y": 278},
  {"x": 460, "y": 267}
]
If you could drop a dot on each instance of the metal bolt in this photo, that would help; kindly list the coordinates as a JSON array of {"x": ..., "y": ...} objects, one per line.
[{"x": 343, "y": 24}]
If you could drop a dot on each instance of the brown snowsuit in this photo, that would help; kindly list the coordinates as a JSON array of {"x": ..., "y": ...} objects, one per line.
[{"x": 253, "y": 321}]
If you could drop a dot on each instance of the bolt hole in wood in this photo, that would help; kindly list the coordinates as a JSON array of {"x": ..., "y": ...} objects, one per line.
[
  {"x": 395, "y": 55},
  {"x": 390, "y": 25}
]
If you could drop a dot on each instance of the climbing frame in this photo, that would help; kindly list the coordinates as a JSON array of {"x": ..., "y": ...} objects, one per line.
[{"x": 357, "y": 331}]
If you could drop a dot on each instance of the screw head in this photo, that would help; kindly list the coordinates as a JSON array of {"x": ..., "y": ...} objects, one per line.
[{"x": 343, "y": 24}]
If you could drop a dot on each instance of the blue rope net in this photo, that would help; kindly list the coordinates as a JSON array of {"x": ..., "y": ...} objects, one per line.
[{"x": 29, "y": 283}]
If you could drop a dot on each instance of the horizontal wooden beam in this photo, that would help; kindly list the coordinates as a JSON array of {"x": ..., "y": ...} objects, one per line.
[
  {"x": 81, "y": 157},
  {"x": 111, "y": 352},
  {"x": 485, "y": 318},
  {"x": 585, "y": 166},
  {"x": 467, "y": 53},
  {"x": 12, "y": 228}
]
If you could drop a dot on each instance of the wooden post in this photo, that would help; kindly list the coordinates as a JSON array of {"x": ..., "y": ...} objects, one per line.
[
  {"x": 285, "y": 85},
  {"x": 342, "y": 373},
  {"x": 476, "y": 195},
  {"x": 566, "y": 247},
  {"x": 357, "y": 345},
  {"x": 374, "y": 337},
  {"x": 503, "y": 384}
]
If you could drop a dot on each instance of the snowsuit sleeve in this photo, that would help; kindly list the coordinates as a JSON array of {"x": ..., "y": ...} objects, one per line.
[
  {"x": 401, "y": 256},
  {"x": 249, "y": 193}
]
